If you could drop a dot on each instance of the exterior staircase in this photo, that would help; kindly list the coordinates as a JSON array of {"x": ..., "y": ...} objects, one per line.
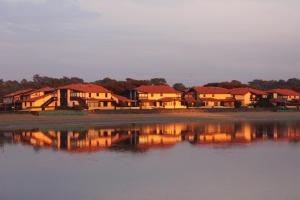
[
  {"x": 48, "y": 102},
  {"x": 81, "y": 102}
]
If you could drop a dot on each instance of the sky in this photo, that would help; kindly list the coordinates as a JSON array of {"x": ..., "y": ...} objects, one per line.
[{"x": 189, "y": 41}]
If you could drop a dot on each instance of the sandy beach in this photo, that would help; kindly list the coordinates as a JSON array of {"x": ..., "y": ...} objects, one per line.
[{"x": 26, "y": 121}]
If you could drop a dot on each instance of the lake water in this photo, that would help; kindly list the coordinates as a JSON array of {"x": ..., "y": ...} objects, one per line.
[{"x": 176, "y": 161}]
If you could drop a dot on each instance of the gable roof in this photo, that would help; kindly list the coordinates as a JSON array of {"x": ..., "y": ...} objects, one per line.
[
  {"x": 121, "y": 98},
  {"x": 243, "y": 91},
  {"x": 44, "y": 89},
  {"x": 156, "y": 89},
  {"x": 287, "y": 92},
  {"x": 19, "y": 92},
  {"x": 211, "y": 90},
  {"x": 86, "y": 88}
]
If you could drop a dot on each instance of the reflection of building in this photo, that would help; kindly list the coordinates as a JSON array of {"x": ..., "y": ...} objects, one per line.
[
  {"x": 244, "y": 132},
  {"x": 160, "y": 135},
  {"x": 73, "y": 141},
  {"x": 144, "y": 137},
  {"x": 207, "y": 133}
]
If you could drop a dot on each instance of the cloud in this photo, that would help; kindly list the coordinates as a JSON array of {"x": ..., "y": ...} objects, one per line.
[{"x": 34, "y": 20}]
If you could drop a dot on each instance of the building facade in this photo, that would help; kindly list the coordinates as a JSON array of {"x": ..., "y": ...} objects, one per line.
[
  {"x": 210, "y": 97},
  {"x": 85, "y": 96},
  {"x": 13, "y": 101},
  {"x": 248, "y": 96},
  {"x": 284, "y": 97},
  {"x": 95, "y": 97},
  {"x": 156, "y": 96}
]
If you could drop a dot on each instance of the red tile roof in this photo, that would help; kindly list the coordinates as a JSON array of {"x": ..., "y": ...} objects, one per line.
[
  {"x": 258, "y": 92},
  {"x": 211, "y": 90},
  {"x": 286, "y": 92},
  {"x": 156, "y": 89},
  {"x": 19, "y": 92},
  {"x": 242, "y": 91},
  {"x": 86, "y": 88},
  {"x": 121, "y": 98},
  {"x": 44, "y": 89}
]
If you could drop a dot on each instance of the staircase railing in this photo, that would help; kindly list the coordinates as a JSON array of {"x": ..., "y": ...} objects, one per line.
[
  {"x": 48, "y": 102},
  {"x": 81, "y": 102}
]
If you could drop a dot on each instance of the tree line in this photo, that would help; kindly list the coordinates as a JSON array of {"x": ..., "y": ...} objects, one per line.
[
  {"x": 116, "y": 86},
  {"x": 292, "y": 83},
  {"x": 122, "y": 86}
]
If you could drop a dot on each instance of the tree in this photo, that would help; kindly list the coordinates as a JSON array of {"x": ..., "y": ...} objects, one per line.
[
  {"x": 121, "y": 87},
  {"x": 292, "y": 83},
  {"x": 228, "y": 85},
  {"x": 158, "y": 81},
  {"x": 179, "y": 86}
]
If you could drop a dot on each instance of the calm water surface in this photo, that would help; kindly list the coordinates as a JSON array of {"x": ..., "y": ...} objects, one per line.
[{"x": 209, "y": 160}]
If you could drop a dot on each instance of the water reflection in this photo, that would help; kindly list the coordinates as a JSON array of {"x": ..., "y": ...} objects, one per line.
[{"x": 140, "y": 138}]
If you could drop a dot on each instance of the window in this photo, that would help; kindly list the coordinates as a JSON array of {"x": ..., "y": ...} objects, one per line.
[
  {"x": 106, "y": 95},
  {"x": 152, "y": 95},
  {"x": 204, "y": 95},
  {"x": 90, "y": 95},
  {"x": 97, "y": 94},
  {"x": 213, "y": 95},
  {"x": 142, "y": 95},
  {"x": 105, "y": 104},
  {"x": 105, "y": 134},
  {"x": 161, "y": 94}
]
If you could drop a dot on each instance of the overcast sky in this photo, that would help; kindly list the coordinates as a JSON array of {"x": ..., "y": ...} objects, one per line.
[{"x": 190, "y": 41}]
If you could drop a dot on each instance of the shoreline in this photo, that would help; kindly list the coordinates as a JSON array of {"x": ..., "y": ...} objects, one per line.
[{"x": 28, "y": 121}]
